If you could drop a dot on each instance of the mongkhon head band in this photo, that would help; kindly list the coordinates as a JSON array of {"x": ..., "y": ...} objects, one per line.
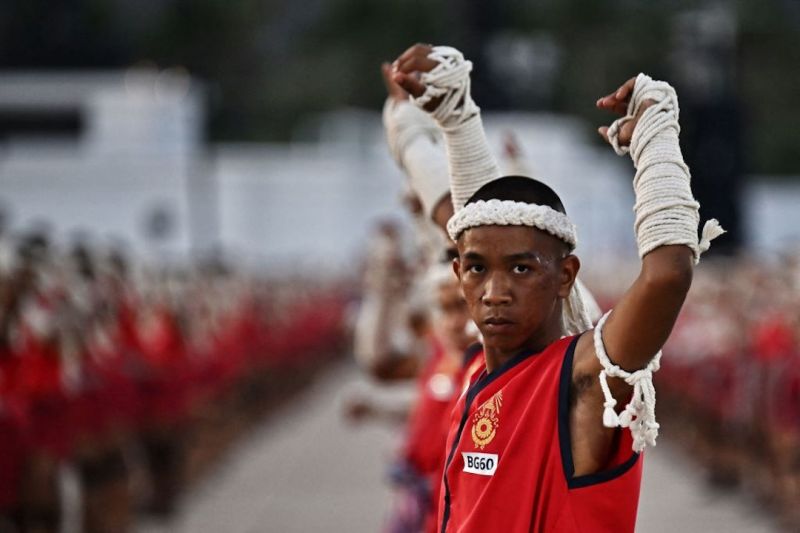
[{"x": 510, "y": 213}]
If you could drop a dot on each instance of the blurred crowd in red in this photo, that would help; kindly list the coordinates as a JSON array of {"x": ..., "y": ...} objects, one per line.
[
  {"x": 729, "y": 387},
  {"x": 132, "y": 383}
]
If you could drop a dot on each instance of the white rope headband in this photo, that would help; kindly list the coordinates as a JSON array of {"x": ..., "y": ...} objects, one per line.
[{"x": 510, "y": 213}]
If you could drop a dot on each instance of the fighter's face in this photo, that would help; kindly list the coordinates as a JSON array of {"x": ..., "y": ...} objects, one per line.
[{"x": 512, "y": 278}]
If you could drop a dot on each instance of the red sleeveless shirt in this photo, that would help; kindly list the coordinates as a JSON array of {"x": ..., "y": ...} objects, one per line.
[{"x": 509, "y": 464}]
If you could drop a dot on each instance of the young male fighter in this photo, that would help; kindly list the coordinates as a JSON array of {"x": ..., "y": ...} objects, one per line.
[{"x": 534, "y": 443}]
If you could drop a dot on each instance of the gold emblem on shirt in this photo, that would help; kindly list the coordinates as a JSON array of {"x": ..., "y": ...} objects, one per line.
[{"x": 485, "y": 421}]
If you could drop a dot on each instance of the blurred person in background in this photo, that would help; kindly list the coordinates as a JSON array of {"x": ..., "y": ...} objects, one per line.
[
  {"x": 449, "y": 357},
  {"x": 385, "y": 331},
  {"x": 417, "y": 473},
  {"x": 34, "y": 334}
]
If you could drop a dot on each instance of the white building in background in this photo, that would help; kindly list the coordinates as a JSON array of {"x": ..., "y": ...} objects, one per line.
[
  {"x": 122, "y": 156},
  {"x": 106, "y": 154}
]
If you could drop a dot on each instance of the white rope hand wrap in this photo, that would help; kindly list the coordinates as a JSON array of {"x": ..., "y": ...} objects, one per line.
[
  {"x": 450, "y": 81},
  {"x": 415, "y": 144},
  {"x": 471, "y": 162},
  {"x": 666, "y": 211},
  {"x": 640, "y": 413}
]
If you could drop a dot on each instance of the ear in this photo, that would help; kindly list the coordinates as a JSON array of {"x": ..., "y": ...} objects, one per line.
[
  {"x": 457, "y": 268},
  {"x": 570, "y": 266}
]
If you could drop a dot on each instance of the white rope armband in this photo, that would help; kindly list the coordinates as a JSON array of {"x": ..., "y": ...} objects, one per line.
[
  {"x": 666, "y": 211},
  {"x": 640, "y": 413},
  {"x": 470, "y": 159}
]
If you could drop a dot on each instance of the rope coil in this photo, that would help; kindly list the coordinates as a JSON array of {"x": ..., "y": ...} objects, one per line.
[{"x": 666, "y": 211}]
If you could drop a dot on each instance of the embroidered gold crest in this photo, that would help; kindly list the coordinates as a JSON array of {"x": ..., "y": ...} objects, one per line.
[{"x": 485, "y": 421}]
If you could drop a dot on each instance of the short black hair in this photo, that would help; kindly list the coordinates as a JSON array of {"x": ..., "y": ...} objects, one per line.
[{"x": 519, "y": 189}]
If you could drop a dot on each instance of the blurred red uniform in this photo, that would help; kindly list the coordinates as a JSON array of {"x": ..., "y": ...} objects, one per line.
[{"x": 439, "y": 386}]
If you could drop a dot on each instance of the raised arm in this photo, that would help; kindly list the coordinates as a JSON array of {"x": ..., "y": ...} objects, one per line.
[
  {"x": 630, "y": 337},
  {"x": 666, "y": 228},
  {"x": 438, "y": 78}
]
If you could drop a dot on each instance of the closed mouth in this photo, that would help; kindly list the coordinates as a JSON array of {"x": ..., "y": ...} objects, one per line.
[{"x": 497, "y": 321}]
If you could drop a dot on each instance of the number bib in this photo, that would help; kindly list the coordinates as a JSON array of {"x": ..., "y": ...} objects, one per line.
[{"x": 483, "y": 464}]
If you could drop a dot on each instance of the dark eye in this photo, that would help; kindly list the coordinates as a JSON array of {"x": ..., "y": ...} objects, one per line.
[
  {"x": 476, "y": 269},
  {"x": 521, "y": 269}
]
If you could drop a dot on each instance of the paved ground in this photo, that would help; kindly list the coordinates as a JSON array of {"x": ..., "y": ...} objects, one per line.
[{"x": 307, "y": 471}]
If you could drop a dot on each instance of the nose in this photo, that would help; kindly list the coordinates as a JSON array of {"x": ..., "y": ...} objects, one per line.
[{"x": 497, "y": 291}]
